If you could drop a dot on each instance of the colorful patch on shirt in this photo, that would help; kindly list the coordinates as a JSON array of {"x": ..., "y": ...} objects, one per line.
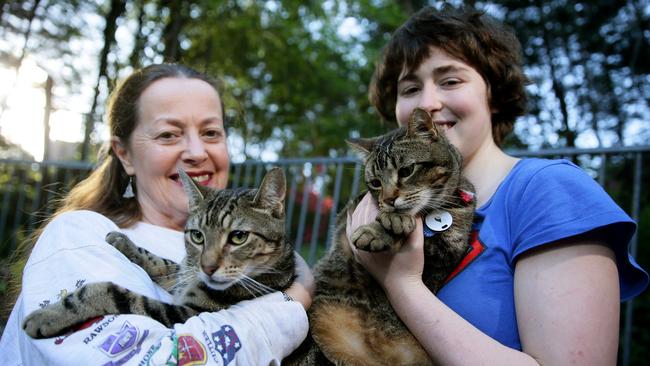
[
  {"x": 227, "y": 343},
  {"x": 476, "y": 249},
  {"x": 190, "y": 351},
  {"x": 124, "y": 343}
]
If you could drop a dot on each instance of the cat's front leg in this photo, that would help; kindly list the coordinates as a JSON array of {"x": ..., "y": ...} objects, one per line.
[
  {"x": 373, "y": 238},
  {"x": 73, "y": 309},
  {"x": 161, "y": 270},
  {"x": 396, "y": 223}
]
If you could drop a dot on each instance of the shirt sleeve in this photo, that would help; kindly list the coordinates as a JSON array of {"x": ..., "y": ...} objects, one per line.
[
  {"x": 72, "y": 252},
  {"x": 560, "y": 200}
]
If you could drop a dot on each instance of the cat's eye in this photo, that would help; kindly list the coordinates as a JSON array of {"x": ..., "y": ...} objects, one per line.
[
  {"x": 375, "y": 183},
  {"x": 196, "y": 237},
  {"x": 238, "y": 237},
  {"x": 405, "y": 171}
]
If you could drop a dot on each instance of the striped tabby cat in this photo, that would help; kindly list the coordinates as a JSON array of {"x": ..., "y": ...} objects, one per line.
[
  {"x": 259, "y": 260},
  {"x": 410, "y": 171}
]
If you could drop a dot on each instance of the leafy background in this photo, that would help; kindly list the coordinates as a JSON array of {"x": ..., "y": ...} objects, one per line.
[{"x": 296, "y": 73}]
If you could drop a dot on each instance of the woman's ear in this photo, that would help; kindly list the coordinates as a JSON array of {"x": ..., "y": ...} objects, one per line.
[{"x": 122, "y": 153}]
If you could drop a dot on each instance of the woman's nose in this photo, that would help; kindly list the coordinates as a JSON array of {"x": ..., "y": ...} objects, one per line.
[
  {"x": 430, "y": 99},
  {"x": 195, "y": 149}
]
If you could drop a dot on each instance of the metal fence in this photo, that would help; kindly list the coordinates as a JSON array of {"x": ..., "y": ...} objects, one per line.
[{"x": 317, "y": 189}]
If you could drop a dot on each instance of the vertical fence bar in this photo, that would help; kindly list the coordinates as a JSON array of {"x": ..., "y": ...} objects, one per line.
[
  {"x": 292, "y": 197},
  {"x": 247, "y": 175},
  {"x": 629, "y": 307},
  {"x": 303, "y": 213},
  {"x": 315, "y": 229},
  {"x": 259, "y": 169},
  {"x": 22, "y": 180},
  {"x": 236, "y": 174},
  {"x": 602, "y": 169},
  {"x": 6, "y": 196},
  {"x": 335, "y": 201},
  {"x": 37, "y": 197},
  {"x": 355, "y": 180}
]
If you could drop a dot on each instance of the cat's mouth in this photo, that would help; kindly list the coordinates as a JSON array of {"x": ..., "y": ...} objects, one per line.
[
  {"x": 216, "y": 283},
  {"x": 200, "y": 178}
]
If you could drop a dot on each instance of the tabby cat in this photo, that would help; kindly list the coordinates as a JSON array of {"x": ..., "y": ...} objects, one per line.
[
  {"x": 250, "y": 221},
  {"x": 410, "y": 171}
]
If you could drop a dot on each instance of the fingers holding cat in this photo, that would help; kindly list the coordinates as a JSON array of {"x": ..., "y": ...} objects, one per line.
[
  {"x": 388, "y": 268},
  {"x": 303, "y": 287}
]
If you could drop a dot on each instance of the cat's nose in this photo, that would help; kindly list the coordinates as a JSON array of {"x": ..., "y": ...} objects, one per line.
[
  {"x": 389, "y": 200},
  {"x": 209, "y": 269}
]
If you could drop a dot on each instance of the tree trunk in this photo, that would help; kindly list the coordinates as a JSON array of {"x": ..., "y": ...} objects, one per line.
[
  {"x": 171, "y": 33},
  {"x": 135, "y": 59},
  {"x": 117, "y": 9},
  {"x": 558, "y": 87}
]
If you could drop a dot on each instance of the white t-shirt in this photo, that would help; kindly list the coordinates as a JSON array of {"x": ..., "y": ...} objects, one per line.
[{"x": 72, "y": 252}]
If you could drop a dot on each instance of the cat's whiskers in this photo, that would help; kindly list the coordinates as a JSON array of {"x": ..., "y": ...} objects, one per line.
[{"x": 253, "y": 287}]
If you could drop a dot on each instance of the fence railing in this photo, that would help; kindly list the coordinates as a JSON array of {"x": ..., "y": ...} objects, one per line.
[{"x": 317, "y": 189}]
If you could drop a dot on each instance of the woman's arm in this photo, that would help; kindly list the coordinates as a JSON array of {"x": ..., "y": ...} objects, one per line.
[
  {"x": 544, "y": 286},
  {"x": 568, "y": 299}
]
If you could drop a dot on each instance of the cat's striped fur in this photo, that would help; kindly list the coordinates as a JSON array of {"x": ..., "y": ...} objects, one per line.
[
  {"x": 236, "y": 250},
  {"x": 409, "y": 171}
]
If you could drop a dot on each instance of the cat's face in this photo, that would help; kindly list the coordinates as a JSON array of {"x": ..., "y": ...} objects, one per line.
[
  {"x": 234, "y": 234},
  {"x": 408, "y": 170}
]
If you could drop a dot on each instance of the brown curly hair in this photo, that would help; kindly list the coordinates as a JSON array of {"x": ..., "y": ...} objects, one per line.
[{"x": 469, "y": 35}]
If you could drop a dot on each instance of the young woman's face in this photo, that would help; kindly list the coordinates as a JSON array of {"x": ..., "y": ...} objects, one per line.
[
  {"x": 454, "y": 94},
  {"x": 180, "y": 125}
]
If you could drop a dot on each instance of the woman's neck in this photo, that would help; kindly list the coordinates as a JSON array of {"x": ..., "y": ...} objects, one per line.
[{"x": 486, "y": 169}]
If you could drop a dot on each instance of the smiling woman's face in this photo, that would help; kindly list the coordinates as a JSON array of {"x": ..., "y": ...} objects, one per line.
[
  {"x": 180, "y": 125},
  {"x": 454, "y": 94}
]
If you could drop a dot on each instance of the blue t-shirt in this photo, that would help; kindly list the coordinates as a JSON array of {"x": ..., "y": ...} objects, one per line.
[{"x": 539, "y": 202}]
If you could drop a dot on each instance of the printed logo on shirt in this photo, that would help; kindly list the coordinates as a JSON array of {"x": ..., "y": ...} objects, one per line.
[
  {"x": 190, "y": 351},
  {"x": 58, "y": 340},
  {"x": 124, "y": 343},
  {"x": 173, "y": 350},
  {"x": 226, "y": 343},
  {"x": 476, "y": 249},
  {"x": 99, "y": 329}
]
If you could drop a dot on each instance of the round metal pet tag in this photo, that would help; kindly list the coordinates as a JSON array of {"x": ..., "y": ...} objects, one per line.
[{"x": 438, "y": 220}]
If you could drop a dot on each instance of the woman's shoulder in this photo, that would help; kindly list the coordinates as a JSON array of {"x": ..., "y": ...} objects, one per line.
[
  {"x": 72, "y": 230},
  {"x": 537, "y": 169},
  {"x": 534, "y": 177},
  {"x": 81, "y": 218}
]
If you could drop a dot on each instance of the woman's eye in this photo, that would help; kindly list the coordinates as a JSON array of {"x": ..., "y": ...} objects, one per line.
[
  {"x": 409, "y": 90},
  {"x": 375, "y": 183},
  {"x": 450, "y": 82},
  {"x": 166, "y": 136},
  {"x": 197, "y": 237},
  {"x": 405, "y": 171},
  {"x": 238, "y": 237}
]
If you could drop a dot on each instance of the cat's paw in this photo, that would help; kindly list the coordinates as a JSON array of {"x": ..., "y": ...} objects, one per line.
[
  {"x": 117, "y": 239},
  {"x": 122, "y": 243},
  {"x": 372, "y": 238},
  {"x": 396, "y": 223},
  {"x": 45, "y": 323}
]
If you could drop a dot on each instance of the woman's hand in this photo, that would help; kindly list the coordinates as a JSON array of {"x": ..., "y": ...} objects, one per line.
[
  {"x": 303, "y": 287},
  {"x": 389, "y": 269}
]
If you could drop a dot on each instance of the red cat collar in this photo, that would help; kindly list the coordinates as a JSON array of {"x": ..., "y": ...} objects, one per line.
[{"x": 466, "y": 196}]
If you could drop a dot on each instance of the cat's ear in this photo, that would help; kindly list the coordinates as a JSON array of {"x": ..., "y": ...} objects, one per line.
[
  {"x": 272, "y": 191},
  {"x": 422, "y": 124},
  {"x": 195, "y": 193},
  {"x": 362, "y": 146}
]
